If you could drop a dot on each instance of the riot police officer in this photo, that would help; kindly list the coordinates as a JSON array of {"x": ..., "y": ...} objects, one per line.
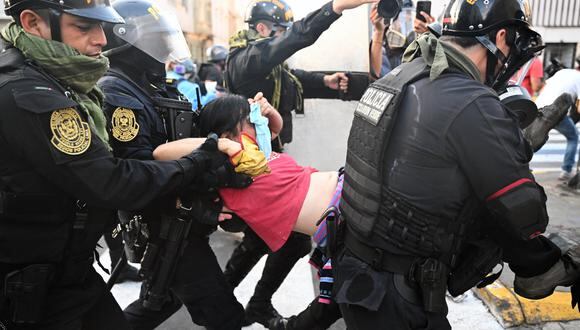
[
  {"x": 133, "y": 86},
  {"x": 256, "y": 63},
  {"x": 451, "y": 191},
  {"x": 213, "y": 70},
  {"x": 59, "y": 183}
]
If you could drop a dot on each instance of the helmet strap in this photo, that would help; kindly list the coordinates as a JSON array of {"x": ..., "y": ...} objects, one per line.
[
  {"x": 54, "y": 18},
  {"x": 497, "y": 55}
]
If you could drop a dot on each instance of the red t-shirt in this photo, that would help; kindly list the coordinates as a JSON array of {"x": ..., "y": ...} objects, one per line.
[
  {"x": 536, "y": 71},
  {"x": 271, "y": 205}
]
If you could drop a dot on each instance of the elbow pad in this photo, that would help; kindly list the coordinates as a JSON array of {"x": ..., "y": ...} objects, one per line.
[{"x": 521, "y": 208}]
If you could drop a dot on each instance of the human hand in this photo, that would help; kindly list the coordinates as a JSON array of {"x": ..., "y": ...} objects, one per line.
[
  {"x": 266, "y": 109},
  {"x": 419, "y": 26},
  {"x": 377, "y": 21},
  {"x": 229, "y": 147},
  {"x": 338, "y": 6},
  {"x": 219, "y": 172},
  {"x": 336, "y": 81}
]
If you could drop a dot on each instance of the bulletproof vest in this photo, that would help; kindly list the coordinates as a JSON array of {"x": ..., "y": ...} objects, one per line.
[
  {"x": 369, "y": 137},
  {"x": 38, "y": 222}
]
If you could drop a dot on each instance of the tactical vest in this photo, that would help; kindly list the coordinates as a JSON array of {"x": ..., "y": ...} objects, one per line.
[
  {"x": 372, "y": 211},
  {"x": 39, "y": 223},
  {"x": 369, "y": 137}
]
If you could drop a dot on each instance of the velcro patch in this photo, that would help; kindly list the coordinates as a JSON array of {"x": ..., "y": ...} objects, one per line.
[
  {"x": 372, "y": 105},
  {"x": 124, "y": 125},
  {"x": 70, "y": 134}
]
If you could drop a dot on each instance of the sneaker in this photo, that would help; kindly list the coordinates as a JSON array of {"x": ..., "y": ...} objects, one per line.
[
  {"x": 548, "y": 117},
  {"x": 564, "y": 273},
  {"x": 129, "y": 273},
  {"x": 278, "y": 323},
  {"x": 260, "y": 311},
  {"x": 565, "y": 176}
]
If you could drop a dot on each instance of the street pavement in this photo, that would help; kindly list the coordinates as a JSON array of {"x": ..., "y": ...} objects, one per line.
[{"x": 320, "y": 141}]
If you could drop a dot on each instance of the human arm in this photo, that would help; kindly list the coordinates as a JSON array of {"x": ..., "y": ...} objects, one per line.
[
  {"x": 260, "y": 57},
  {"x": 179, "y": 148},
  {"x": 275, "y": 122},
  {"x": 376, "y": 48},
  {"x": 492, "y": 153}
]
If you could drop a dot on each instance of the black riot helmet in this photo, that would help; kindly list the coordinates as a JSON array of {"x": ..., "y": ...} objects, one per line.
[
  {"x": 275, "y": 11},
  {"x": 148, "y": 27},
  {"x": 482, "y": 19},
  {"x": 98, "y": 10},
  {"x": 217, "y": 53}
]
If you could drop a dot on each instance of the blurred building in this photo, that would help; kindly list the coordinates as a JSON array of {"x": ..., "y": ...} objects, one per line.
[
  {"x": 207, "y": 22},
  {"x": 558, "y": 21}
]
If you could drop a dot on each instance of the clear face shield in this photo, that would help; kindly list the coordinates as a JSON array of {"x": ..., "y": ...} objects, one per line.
[
  {"x": 400, "y": 28},
  {"x": 158, "y": 34}
]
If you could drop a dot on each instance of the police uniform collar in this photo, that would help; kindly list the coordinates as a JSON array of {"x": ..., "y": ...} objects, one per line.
[{"x": 10, "y": 57}]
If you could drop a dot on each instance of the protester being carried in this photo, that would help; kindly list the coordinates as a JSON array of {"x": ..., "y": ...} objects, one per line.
[{"x": 281, "y": 186}]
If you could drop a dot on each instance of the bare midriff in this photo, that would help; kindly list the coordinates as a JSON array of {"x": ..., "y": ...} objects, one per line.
[{"x": 320, "y": 192}]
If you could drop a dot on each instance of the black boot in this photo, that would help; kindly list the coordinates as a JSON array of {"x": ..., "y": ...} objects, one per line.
[
  {"x": 278, "y": 265},
  {"x": 244, "y": 258},
  {"x": 317, "y": 316}
]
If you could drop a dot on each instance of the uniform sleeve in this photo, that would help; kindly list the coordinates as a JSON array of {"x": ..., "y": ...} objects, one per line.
[
  {"x": 489, "y": 147},
  {"x": 261, "y": 58},
  {"x": 53, "y": 137},
  {"x": 309, "y": 80}
]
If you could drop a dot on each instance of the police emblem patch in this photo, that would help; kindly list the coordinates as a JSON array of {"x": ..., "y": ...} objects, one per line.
[
  {"x": 70, "y": 134},
  {"x": 125, "y": 127}
]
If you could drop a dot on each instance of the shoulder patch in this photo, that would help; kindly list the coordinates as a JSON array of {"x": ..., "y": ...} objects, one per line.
[
  {"x": 70, "y": 134},
  {"x": 124, "y": 124}
]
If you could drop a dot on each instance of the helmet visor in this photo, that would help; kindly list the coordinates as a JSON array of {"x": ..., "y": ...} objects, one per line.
[{"x": 157, "y": 33}]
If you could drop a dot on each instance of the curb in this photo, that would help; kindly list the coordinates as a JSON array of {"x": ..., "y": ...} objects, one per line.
[{"x": 512, "y": 310}]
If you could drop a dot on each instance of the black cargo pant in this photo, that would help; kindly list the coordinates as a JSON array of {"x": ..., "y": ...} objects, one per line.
[
  {"x": 200, "y": 285},
  {"x": 278, "y": 264}
]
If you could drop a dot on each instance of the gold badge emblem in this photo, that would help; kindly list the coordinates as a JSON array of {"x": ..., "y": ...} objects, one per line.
[
  {"x": 70, "y": 134},
  {"x": 125, "y": 127}
]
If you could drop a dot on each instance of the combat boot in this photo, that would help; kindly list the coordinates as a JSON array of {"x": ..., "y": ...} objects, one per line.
[
  {"x": 548, "y": 117},
  {"x": 564, "y": 273},
  {"x": 260, "y": 311}
]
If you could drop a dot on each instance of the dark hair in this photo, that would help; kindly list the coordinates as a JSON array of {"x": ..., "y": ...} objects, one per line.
[
  {"x": 223, "y": 115},
  {"x": 463, "y": 42}
]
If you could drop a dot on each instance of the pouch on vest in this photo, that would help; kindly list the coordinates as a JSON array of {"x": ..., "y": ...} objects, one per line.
[{"x": 26, "y": 290}]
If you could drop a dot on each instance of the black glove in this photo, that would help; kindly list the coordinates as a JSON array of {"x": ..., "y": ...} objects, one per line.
[
  {"x": 218, "y": 170},
  {"x": 233, "y": 225},
  {"x": 205, "y": 209}
]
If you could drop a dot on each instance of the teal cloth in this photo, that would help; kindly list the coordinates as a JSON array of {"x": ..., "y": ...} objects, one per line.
[{"x": 263, "y": 135}]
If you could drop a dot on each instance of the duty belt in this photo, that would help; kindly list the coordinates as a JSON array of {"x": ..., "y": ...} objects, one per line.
[{"x": 377, "y": 258}]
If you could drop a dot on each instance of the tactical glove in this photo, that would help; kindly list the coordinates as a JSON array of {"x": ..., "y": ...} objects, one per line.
[{"x": 217, "y": 170}]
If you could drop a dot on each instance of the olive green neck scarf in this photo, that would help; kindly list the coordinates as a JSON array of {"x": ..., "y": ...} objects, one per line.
[
  {"x": 440, "y": 56},
  {"x": 76, "y": 72}
]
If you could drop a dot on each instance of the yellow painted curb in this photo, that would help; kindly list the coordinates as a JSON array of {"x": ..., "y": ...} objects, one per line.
[
  {"x": 502, "y": 303},
  {"x": 553, "y": 308},
  {"x": 512, "y": 310}
]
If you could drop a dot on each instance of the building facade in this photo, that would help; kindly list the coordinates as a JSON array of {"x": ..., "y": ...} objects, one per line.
[{"x": 558, "y": 21}]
